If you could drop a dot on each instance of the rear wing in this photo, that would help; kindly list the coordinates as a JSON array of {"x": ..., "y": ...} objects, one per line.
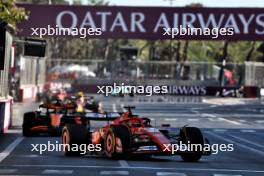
[
  {"x": 88, "y": 116},
  {"x": 57, "y": 104}
]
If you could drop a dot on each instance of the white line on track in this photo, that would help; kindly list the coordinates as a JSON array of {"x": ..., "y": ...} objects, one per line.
[
  {"x": 213, "y": 119},
  {"x": 242, "y": 115},
  {"x": 247, "y": 141},
  {"x": 170, "y": 174},
  {"x": 114, "y": 173},
  {"x": 236, "y": 143},
  {"x": 49, "y": 171},
  {"x": 220, "y": 130},
  {"x": 242, "y": 121},
  {"x": 123, "y": 163},
  {"x": 7, "y": 171},
  {"x": 29, "y": 156},
  {"x": 208, "y": 115},
  {"x": 229, "y": 121},
  {"x": 213, "y": 106},
  {"x": 225, "y": 175},
  {"x": 10, "y": 148},
  {"x": 248, "y": 131},
  {"x": 193, "y": 120},
  {"x": 140, "y": 167},
  {"x": 170, "y": 119},
  {"x": 166, "y": 115},
  {"x": 259, "y": 121}
]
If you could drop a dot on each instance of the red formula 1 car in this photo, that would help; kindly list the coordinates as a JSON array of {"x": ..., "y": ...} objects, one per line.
[{"x": 128, "y": 134}]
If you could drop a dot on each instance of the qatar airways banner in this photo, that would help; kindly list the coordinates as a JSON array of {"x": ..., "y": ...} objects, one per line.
[{"x": 144, "y": 22}]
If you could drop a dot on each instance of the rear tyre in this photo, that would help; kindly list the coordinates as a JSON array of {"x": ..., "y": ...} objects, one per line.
[
  {"x": 194, "y": 136},
  {"x": 74, "y": 135},
  {"x": 118, "y": 140},
  {"x": 28, "y": 120}
]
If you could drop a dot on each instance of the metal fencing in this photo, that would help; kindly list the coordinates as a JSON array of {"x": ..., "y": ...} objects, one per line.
[
  {"x": 154, "y": 72},
  {"x": 254, "y": 75},
  {"x": 32, "y": 71}
]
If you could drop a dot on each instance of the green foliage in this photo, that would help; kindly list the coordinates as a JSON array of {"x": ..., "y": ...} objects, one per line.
[
  {"x": 169, "y": 50},
  {"x": 10, "y": 13},
  {"x": 97, "y": 2},
  {"x": 212, "y": 50},
  {"x": 44, "y": 1}
]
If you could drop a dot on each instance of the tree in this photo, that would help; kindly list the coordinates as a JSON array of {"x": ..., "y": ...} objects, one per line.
[
  {"x": 98, "y": 2},
  {"x": 186, "y": 44},
  {"x": 10, "y": 13},
  {"x": 44, "y": 1}
]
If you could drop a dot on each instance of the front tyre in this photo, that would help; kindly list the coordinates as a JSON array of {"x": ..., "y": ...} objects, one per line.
[
  {"x": 192, "y": 136},
  {"x": 117, "y": 140}
]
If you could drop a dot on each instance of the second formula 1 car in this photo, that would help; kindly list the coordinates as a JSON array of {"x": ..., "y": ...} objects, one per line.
[
  {"x": 128, "y": 134},
  {"x": 47, "y": 119}
]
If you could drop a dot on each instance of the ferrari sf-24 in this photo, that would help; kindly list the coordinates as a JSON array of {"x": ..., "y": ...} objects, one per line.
[{"x": 127, "y": 134}]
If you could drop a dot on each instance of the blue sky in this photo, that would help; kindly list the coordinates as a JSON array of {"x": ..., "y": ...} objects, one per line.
[{"x": 209, "y": 3}]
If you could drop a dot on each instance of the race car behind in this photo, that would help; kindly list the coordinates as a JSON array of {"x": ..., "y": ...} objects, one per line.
[{"x": 47, "y": 119}]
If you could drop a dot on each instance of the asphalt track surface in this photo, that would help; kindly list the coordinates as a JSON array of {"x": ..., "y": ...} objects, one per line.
[{"x": 222, "y": 121}]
